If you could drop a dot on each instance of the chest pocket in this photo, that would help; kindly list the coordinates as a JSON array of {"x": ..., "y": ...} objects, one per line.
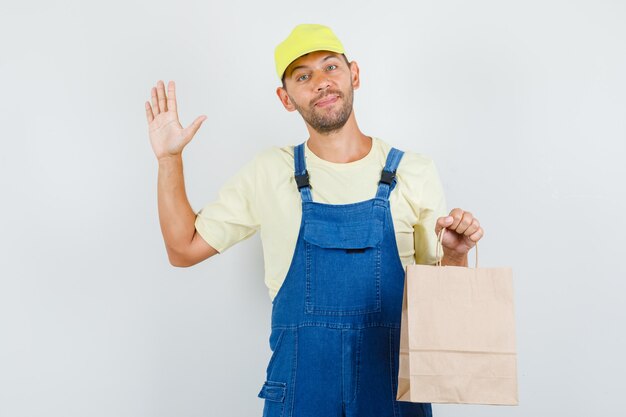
[{"x": 343, "y": 266}]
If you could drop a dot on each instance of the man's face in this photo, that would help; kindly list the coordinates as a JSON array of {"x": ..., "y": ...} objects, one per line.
[{"x": 320, "y": 86}]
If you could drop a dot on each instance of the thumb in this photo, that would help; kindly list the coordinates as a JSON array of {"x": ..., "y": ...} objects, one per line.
[
  {"x": 194, "y": 126},
  {"x": 443, "y": 222}
]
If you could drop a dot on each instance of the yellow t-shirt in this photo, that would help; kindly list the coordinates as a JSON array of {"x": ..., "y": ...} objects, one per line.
[{"x": 263, "y": 195}]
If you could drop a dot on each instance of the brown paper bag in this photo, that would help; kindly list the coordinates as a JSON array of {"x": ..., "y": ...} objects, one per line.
[{"x": 457, "y": 340}]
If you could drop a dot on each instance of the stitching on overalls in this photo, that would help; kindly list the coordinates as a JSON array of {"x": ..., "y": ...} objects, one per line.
[
  {"x": 392, "y": 372},
  {"x": 294, "y": 365}
]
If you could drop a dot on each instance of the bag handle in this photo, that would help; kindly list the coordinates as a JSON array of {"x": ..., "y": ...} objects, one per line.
[{"x": 440, "y": 239}]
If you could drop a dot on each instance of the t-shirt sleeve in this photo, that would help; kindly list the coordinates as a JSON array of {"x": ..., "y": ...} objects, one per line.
[
  {"x": 432, "y": 206},
  {"x": 232, "y": 217}
]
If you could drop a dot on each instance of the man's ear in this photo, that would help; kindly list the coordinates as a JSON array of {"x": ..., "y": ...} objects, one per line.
[
  {"x": 284, "y": 99},
  {"x": 354, "y": 75}
]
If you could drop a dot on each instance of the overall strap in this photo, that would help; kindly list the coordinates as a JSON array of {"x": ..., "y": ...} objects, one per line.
[
  {"x": 388, "y": 176},
  {"x": 301, "y": 174}
]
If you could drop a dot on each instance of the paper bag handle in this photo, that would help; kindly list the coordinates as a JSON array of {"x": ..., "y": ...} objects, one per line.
[{"x": 440, "y": 239}]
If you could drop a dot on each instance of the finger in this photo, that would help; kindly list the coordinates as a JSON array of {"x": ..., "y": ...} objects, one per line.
[
  {"x": 171, "y": 97},
  {"x": 457, "y": 215},
  {"x": 149, "y": 114},
  {"x": 193, "y": 127},
  {"x": 476, "y": 236},
  {"x": 472, "y": 228},
  {"x": 155, "y": 101},
  {"x": 443, "y": 222},
  {"x": 466, "y": 221},
  {"x": 162, "y": 98}
]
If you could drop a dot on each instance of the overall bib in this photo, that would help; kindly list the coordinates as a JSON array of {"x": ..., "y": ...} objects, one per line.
[{"x": 336, "y": 318}]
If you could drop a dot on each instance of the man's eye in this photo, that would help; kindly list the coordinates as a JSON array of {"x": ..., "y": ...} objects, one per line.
[
  {"x": 331, "y": 65},
  {"x": 300, "y": 77}
]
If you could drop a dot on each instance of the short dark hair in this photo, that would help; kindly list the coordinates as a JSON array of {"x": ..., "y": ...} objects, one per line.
[{"x": 283, "y": 79}]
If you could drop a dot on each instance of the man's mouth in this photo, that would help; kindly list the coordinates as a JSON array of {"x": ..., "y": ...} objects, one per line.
[{"x": 326, "y": 101}]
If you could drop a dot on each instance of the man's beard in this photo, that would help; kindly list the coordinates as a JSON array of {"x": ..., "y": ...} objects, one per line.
[{"x": 324, "y": 121}]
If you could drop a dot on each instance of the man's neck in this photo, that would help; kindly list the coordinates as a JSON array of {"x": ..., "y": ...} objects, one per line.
[{"x": 346, "y": 145}]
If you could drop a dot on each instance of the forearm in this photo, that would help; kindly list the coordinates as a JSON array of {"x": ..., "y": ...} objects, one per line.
[{"x": 176, "y": 216}]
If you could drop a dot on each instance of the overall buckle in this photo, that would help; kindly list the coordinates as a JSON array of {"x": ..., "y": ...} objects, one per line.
[
  {"x": 303, "y": 180},
  {"x": 387, "y": 177}
]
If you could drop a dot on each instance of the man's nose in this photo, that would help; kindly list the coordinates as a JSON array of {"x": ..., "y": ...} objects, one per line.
[{"x": 321, "y": 81}]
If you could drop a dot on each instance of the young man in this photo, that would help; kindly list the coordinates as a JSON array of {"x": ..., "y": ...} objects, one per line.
[{"x": 340, "y": 216}]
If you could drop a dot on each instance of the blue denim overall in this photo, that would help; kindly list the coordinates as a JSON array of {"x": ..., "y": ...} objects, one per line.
[{"x": 336, "y": 318}]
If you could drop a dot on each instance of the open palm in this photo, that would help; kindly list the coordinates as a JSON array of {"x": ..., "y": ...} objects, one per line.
[{"x": 167, "y": 135}]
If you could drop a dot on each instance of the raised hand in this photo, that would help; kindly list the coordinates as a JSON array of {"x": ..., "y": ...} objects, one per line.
[{"x": 167, "y": 135}]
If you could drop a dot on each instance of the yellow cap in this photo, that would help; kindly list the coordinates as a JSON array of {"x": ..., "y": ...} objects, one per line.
[{"x": 305, "y": 38}]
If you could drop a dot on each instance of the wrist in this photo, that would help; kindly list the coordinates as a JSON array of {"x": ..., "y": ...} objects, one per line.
[
  {"x": 169, "y": 159},
  {"x": 454, "y": 259}
]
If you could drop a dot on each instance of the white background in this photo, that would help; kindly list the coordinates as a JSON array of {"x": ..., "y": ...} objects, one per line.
[{"x": 521, "y": 104}]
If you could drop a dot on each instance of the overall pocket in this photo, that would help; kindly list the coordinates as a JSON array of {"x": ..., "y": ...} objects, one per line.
[
  {"x": 273, "y": 393},
  {"x": 279, "y": 372},
  {"x": 343, "y": 266}
]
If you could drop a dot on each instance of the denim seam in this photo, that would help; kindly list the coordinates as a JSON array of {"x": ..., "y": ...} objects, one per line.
[
  {"x": 307, "y": 297},
  {"x": 294, "y": 366},
  {"x": 348, "y": 206},
  {"x": 275, "y": 352},
  {"x": 377, "y": 271},
  {"x": 358, "y": 363},
  {"x": 337, "y": 325},
  {"x": 392, "y": 371},
  {"x": 343, "y": 376}
]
